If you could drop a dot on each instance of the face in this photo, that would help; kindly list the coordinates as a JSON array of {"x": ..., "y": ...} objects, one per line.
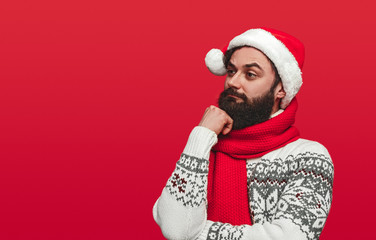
[
  {"x": 248, "y": 96},
  {"x": 249, "y": 72}
]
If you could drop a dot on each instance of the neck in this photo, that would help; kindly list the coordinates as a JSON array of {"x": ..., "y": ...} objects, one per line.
[{"x": 276, "y": 106}]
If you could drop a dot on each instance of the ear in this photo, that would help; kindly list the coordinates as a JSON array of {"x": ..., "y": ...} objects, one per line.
[{"x": 279, "y": 92}]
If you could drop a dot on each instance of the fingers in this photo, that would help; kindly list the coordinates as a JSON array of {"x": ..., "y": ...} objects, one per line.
[
  {"x": 217, "y": 120},
  {"x": 228, "y": 126}
]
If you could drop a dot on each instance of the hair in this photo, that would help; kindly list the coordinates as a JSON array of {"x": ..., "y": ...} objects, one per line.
[{"x": 228, "y": 54}]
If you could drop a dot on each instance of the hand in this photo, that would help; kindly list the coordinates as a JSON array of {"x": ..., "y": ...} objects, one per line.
[{"x": 216, "y": 120}]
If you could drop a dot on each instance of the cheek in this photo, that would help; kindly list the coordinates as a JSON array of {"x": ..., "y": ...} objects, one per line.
[
  {"x": 225, "y": 83},
  {"x": 255, "y": 89},
  {"x": 251, "y": 90}
]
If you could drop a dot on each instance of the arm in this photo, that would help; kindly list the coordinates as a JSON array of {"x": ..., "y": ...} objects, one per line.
[
  {"x": 307, "y": 197},
  {"x": 180, "y": 211}
]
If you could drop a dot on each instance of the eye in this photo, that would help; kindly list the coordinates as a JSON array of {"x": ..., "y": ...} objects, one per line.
[
  {"x": 230, "y": 72},
  {"x": 251, "y": 75}
]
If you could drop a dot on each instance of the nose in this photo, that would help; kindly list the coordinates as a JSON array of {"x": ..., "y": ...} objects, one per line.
[{"x": 234, "y": 81}]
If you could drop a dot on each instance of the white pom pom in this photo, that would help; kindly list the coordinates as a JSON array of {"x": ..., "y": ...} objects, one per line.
[{"x": 214, "y": 62}]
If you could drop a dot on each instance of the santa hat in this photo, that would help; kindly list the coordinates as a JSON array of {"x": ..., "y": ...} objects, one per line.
[{"x": 285, "y": 51}]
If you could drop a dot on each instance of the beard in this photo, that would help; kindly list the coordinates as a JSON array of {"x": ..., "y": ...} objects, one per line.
[{"x": 248, "y": 112}]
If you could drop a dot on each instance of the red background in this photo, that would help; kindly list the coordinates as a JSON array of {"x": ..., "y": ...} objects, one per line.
[{"x": 97, "y": 100}]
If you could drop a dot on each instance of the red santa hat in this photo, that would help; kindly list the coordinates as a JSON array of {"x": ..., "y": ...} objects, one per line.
[{"x": 285, "y": 51}]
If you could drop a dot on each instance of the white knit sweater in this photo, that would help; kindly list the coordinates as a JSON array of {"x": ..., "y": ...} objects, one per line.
[{"x": 289, "y": 189}]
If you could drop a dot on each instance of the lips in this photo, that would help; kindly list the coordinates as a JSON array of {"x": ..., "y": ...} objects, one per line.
[{"x": 233, "y": 96}]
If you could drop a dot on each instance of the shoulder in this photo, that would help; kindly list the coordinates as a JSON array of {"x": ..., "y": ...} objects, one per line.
[
  {"x": 305, "y": 146},
  {"x": 304, "y": 154},
  {"x": 311, "y": 156},
  {"x": 299, "y": 147}
]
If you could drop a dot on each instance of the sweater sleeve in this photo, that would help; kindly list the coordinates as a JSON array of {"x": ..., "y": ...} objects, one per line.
[
  {"x": 180, "y": 211},
  {"x": 307, "y": 196}
]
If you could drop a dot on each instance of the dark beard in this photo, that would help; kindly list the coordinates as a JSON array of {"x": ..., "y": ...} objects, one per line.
[{"x": 247, "y": 112}]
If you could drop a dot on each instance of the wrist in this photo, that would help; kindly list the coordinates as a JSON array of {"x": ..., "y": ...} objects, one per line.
[{"x": 200, "y": 142}]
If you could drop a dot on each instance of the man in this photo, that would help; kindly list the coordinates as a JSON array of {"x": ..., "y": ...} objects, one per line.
[{"x": 245, "y": 173}]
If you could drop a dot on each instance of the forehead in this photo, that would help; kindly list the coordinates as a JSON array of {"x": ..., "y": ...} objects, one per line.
[{"x": 248, "y": 55}]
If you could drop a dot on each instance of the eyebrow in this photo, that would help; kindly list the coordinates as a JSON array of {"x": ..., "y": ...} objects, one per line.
[{"x": 247, "y": 65}]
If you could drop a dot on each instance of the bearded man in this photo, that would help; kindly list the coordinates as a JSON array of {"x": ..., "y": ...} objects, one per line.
[{"x": 245, "y": 173}]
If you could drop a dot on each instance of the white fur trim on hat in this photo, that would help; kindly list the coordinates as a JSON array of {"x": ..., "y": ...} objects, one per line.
[{"x": 286, "y": 64}]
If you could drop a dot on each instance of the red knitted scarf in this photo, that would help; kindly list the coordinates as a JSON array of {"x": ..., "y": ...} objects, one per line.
[{"x": 227, "y": 181}]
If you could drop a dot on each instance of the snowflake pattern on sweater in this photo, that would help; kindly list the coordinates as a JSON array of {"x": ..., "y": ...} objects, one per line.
[{"x": 298, "y": 188}]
